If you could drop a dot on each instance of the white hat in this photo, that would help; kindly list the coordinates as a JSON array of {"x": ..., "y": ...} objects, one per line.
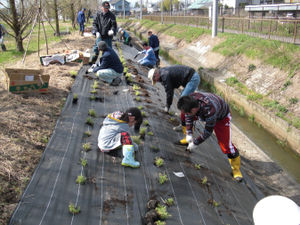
[
  {"x": 150, "y": 75},
  {"x": 120, "y": 29}
]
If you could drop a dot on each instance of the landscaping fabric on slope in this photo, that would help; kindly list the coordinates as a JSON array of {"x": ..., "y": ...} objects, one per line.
[{"x": 113, "y": 194}]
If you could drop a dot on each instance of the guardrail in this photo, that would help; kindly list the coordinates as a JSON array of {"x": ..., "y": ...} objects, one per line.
[{"x": 281, "y": 30}]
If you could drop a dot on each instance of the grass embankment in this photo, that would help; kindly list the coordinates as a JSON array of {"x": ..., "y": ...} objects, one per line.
[
  {"x": 11, "y": 55},
  {"x": 280, "y": 55}
]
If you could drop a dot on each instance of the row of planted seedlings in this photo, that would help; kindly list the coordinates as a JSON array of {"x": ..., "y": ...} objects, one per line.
[
  {"x": 73, "y": 209},
  {"x": 157, "y": 213}
]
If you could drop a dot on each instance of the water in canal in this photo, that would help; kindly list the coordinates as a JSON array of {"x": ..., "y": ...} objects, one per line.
[{"x": 285, "y": 158}]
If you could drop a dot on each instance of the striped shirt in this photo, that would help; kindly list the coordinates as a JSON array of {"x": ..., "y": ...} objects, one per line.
[{"x": 212, "y": 109}]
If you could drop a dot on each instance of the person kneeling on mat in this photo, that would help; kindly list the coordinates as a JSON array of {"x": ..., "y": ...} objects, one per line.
[
  {"x": 215, "y": 112},
  {"x": 110, "y": 67},
  {"x": 115, "y": 133}
]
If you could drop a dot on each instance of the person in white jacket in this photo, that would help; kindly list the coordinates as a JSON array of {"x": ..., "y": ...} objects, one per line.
[{"x": 114, "y": 133}]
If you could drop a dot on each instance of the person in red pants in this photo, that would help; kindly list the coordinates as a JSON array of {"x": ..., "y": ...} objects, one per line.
[{"x": 215, "y": 112}]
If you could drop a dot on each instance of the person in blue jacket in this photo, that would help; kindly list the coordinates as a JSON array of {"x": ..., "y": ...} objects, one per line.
[
  {"x": 81, "y": 21},
  {"x": 125, "y": 36},
  {"x": 109, "y": 68},
  {"x": 149, "y": 58},
  {"x": 154, "y": 43}
]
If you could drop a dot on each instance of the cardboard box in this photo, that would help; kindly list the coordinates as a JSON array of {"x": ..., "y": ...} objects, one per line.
[
  {"x": 26, "y": 80},
  {"x": 79, "y": 57}
]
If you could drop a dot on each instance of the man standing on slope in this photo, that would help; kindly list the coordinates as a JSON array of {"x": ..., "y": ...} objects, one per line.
[
  {"x": 81, "y": 21},
  {"x": 215, "y": 112},
  {"x": 154, "y": 43},
  {"x": 104, "y": 26}
]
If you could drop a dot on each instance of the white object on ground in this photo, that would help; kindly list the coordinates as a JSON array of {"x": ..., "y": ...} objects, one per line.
[
  {"x": 179, "y": 174},
  {"x": 54, "y": 58}
]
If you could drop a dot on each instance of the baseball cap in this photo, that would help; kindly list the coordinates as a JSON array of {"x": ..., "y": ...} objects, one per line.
[
  {"x": 150, "y": 76},
  {"x": 83, "y": 9},
  {"x": 102, "y": 45},
  {"x": 105, "y": 5}
]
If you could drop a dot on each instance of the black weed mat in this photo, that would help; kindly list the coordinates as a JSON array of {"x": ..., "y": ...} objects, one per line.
[{"x": 113, "y": 194}]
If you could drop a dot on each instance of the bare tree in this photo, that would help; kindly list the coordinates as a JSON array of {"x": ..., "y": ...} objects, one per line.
[{"x": 18, "y": 17}]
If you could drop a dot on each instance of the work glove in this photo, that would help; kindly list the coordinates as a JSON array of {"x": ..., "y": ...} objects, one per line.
[
  {"x": 166, "y": 109},
  {"x": 90, "y": 70},
  {"x": 192, "y": 146},
  {"x": 110, "y": 32},
  {"x": 139, "y": 61},
  {"x": 98, "y": 35},
  {"x": 93, "y": 66},
  {"x": 189, "y": 138},
  {"x": 140, "y": 53}
]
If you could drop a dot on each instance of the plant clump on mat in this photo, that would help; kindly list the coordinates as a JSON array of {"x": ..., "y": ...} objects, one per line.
[
  {"x": 89, "y": 121},
  {"x": 86, "y": 146},
  {"x": 92, "y": 112},
  {"x": 162, "y": 178},
  {"x": 136, "y": 139},
  {"x": 159, "y": 161},
  {"x": 73, "y": 74},
  {"x": 150, "y": 133},
  {"x": 73, "y": 210},
  {"x": 80, "y": 180},
  {"x": 87, "y": 133},
  {"x": 83, "y": 162}
]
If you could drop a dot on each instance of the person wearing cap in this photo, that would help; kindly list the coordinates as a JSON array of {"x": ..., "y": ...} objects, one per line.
[
  {"x": 114, "y": 133},
  {"x": 215, "y": 112},
  {"x": 104, "y": 26},
  {"x": 173, "y": 77},
  {"x": 109, "y": 68},
  {"x": 125, "y": 36},
  {"x": 154, "y": 43},
  {"x": 149, "y": 58},
  {"x": 81, "y": 21}
]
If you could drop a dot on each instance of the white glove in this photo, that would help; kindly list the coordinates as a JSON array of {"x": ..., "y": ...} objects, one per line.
[
  {"x": 139, "y": 61},
  {"x": 90, "y": 70},
  {"x": 192, "y": 146},
  {"x": 98, "y": 35},
  {"x": 140, "y": 53},
  {"x": 83, "y": 23},
  {"x": 189, "y": 138},
  {"x": 93, "y": 66},
  {"x": 166, "y": 109},
  {"x": 110, "y": 32}
]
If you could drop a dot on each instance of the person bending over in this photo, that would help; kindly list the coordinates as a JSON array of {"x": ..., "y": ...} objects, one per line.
[
  {"x": 125, "y": 36},
  {"x": 109, "y": 68},
  {"x": 149, "y": 58},
  {"x": 215, "y": 112},
  {"x": 115, "y": 133}
]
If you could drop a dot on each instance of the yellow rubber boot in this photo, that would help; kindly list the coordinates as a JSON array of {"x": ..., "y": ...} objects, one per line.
[
  {"x": 183, "y": 141},
  {"x": 235, "y": 166}
]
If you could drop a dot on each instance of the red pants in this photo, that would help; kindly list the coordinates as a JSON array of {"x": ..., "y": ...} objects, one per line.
[
  {"x": 125, "y": 139},
  {"x": 223, "y": 132}
]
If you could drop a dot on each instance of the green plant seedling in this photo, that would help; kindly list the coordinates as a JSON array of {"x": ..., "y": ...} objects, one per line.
[
  {"x": 169, "y": 201},
  {"x": 197, "y": 166},
  {"x": 92, "y": 112},
  {"x": 158, "y": 222},
  {"x": 128, "y": 75},
  {"x": 144, "y": 114},
  {"x": 136, "y": 87},
  {"x": 83, "y": 162},
  {"x": 80, "y": 180},
  {"x": 89, "y": 121},
  {"x": 87, "y": 133},
  {"x": 216, "y": 204},
  {"x": 140, "y": 107},
  {"x": 125, "y": 70},
  {"x": 146, "y": 123},
  {"x": 162, "y": 212},
  {"x": 163, "y": 178},
  {"x": 204, "y": 180},
  {"x": 154, "y": 148},
  {"x": 171, "y": 113},
  {"x": 75, "y": 96},
  {"x": 251, "y": 67},
  {"x": 93, "y": 97},
  {"x": 86, "y": 146},
  {"x": 73, "y": 73},
  {"x": 138, "y": 99},
  {"x": 251, "y": 118},
  {"x": 45, "y": 139},
  {"x": 150, "y": 133},
  {"x": 172, "y": 119},
  {"x": 73, "y": 210},
  {"x": 293, "y": 100},
  {"x": 137, "y": 93},
  {"x": 159, "y": 162},
  {"x": 143, "y": 130},
  {"x": 96, "y": 82},
  {"x": 94, "y": 91},
  {"x": 136, "y": 139}
]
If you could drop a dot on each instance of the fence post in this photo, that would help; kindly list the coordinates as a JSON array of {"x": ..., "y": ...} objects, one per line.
[
  {"x": 242, "y": 26},
  {"x": 208, "y": 23},
  {"x": 295, "y": 31},
  {"x": 223, "y": 24},
  {"x": 270, "y": 28},
  {"x": 197, "y": 21}
]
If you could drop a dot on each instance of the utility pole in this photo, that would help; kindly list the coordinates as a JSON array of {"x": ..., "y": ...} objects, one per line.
[
  {"x": 215, "y": 18},
  {"x": 124, "y": 11},
  {"x": 162, "y": 12},
  {"x": 141, "y": 13}
]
